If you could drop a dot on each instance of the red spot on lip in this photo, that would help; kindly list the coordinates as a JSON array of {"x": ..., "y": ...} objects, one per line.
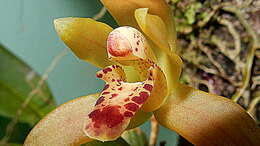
[
  {"x": 128, "y": 114},
  {"x": 148, "y": 87},
  {"x": 144, "y": 94},
  {"x": 104, "y": 93},
  {"x": 106, "y": 70},
  {"x": 118, "y": 83},
  {"x": 127, "y": 99},
  {"x": 120, "y": 88},
  {"x": 99, "y": 75},
  {"x": 106, "y": 86},
  {"x": 132, "y": 107},
  {"x": 140, "y": 99},
  {"x": 138, "y": 42},
  {"x": 100, "y": 100},
  {"x": 113, "y": 95},
  {"x": 109, "y": 116},
  {"x": 136, "y": 49}
]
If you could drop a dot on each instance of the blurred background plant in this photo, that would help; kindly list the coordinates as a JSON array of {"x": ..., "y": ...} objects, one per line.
[{"x": 219, "y": 41}]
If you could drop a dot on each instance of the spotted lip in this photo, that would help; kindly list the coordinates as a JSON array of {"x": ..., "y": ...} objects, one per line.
[
  {"x": 117, "y": 104},
  {"x": 120, "y": 100}
]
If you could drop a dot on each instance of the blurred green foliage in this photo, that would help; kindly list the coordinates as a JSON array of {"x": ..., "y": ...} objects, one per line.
[{"x": 17, "y": 81}]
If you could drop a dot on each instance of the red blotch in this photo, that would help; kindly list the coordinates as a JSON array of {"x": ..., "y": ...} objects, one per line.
[
  {"x": 140, "y": 99},
  {"x": 120, "y": 88},
  {"x": 118, "y": 83},
  {"x": 107, "y": 70},
  {"x": 113, "y": 80},
  {"x": 136, "y": 49},
  {"x": 132, "y": 107},
  {"x": 99, "y": 75},
  {"x": 100, "y": 100},
  {"x": 113, "y": 95},
  {"x": 148, "y": 87},
  {"x": 127, "y": 99},
  {"x": 106, "y": 86},
  {"x": 128, "y": 114},
  {"x": 144, "y": 95},
  {"x": 131, "y": 94},
  {"x": 104, "y": 93},
  {"x": 109, "y": 116}
]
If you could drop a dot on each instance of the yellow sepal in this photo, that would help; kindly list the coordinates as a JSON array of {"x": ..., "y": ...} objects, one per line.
[
  {"x": 207, "y": 119},
  {"x": 86, "y": 38}
]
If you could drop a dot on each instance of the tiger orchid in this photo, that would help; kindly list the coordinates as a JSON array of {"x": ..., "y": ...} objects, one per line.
[{"x": 141, "y": 74}]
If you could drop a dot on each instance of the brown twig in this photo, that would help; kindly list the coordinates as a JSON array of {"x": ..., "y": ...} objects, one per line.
[
  {"x": 207, "y": 51},
  {"x": 250, "y": 54},
  {"x": 100, "y": 14},
  {"x": 154, "y": 132},
  {"x": 252, "y": 105},
  {"x": 234, "y": 53},
  {"x": 215, "y": 9},
  {"x": 255, "y": 82}
]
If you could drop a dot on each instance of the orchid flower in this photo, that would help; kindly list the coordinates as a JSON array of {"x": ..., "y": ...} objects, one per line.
[{"x": 141, "y": 71}]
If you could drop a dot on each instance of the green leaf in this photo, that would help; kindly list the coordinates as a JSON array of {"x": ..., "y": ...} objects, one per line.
[
  {"x": 135, "y": 137},
  {"x": 19, "y": 133},
  {"x": 118, "y": 142},
  {"x": 13, "y": 144},
  {"x": 17, "y": 80}
]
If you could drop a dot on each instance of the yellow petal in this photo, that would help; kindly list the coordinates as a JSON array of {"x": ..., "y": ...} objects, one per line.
[
  {"x": 123, "y": 10},
  {"x": 153, "y": 26},
  {"x": 207, "y": 119},
  {"x": 63, "y": 126},
  {"x": 171, "y": 64},
  {"x": 159, "y": 92},
  {"x": 86, "y": 38},
  {"x": 117, "y": 104}
]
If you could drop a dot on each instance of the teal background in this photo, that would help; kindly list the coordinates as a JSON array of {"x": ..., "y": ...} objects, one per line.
[{"x": 26, "y": 28}]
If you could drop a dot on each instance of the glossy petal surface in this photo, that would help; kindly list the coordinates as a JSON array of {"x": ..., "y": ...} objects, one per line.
[
  {"x": 207, "y": 119},
  {"x": 171, "y": 64},
  {"x": 122, "y": 8},
  {"x": 153, "y": 26},
  {"x": 63, "y": 126},
  {"x": 86, "y": 38}
]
